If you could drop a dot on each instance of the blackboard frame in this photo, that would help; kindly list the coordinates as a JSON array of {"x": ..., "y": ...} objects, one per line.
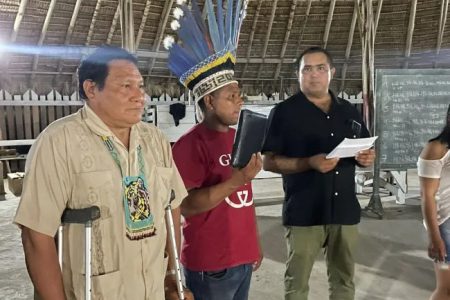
[{"x": 379, "y": 95}]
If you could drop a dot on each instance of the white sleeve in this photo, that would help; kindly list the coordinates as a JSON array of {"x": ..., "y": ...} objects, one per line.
[{"x": 429, "y": 168}]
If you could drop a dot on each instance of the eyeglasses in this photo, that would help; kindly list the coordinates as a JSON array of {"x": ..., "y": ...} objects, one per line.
[{"x": 310, "y": 69}]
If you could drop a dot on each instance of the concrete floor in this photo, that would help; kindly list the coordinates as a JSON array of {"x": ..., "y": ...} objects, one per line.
[{"x": 391, "y": 259}]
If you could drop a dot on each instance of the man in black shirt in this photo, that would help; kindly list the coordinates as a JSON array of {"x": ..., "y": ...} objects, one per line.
[{"x": 320, "y": 208}]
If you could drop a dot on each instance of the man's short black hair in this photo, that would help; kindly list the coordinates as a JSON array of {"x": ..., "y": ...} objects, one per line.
[
  {"x": 95, "y": 66},
  {"x": 314, "y": 50}
]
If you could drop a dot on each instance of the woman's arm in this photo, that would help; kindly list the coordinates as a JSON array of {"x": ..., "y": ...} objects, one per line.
[{"x": 428, "y": 188}]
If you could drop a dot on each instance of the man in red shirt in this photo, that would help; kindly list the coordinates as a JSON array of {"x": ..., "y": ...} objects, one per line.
[{"x": 221, "y": 244}]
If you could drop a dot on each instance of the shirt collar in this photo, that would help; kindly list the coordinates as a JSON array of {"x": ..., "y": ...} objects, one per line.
[
  {"x": 97, "y": 126},
  {"x": 334, "y": 101},
  {"x": 93, "y": 121}
]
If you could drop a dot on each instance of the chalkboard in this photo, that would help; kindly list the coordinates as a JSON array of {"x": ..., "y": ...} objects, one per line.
[{"x": 410, "y": 109}]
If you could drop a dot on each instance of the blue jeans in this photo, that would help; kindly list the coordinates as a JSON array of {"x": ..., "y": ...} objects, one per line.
[
  {"x": 227, "y": 284},
  {"x": 444, "y": 229}
]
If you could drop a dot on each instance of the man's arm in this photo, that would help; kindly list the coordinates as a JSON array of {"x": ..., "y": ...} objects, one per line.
[
  {"x": 289, "y": 165},
  {"x": 42, "y": 264},
  {"x": 203, "y": 199}
]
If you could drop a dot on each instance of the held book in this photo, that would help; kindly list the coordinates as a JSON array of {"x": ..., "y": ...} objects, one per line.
[{"x": 249, "y": 137}]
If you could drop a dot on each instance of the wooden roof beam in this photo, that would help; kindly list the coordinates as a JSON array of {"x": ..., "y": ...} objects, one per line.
[
  {"x": 48, "y": 17},
  {"x": 113, "y": 25},
  {"x": 349, "y": 45},
  {"x": 94, "y": 19},
  {"x": 18, "y": 20},
  {"x": 286, "y": 37},
  {"x": 412, "y": 18},
  {"x": 252, "y": 35},
  {"x": 143, "y": 22},
  {"x": 73, "y": 19},
  {"x": 15, "y": 31},
  {"x": 328, "y": 24},
  {"x": 300, "y": 39},
  {"x": 442, "y": 21},
  {"x": 160, "y": 32},
  {"x": 269, "y": 30},
  {"x": 127, "y": 25},
  {"x": 377, "y": 17}
]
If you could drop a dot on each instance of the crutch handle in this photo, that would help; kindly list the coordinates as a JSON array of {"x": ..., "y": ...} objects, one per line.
[{"x": 80, "y": 216}]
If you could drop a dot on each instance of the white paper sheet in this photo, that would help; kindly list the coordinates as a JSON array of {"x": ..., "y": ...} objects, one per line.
[{"x": 350, "y": 147}]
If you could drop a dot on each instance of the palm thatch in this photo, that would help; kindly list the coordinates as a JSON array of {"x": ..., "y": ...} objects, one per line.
[{"x": 409, "y": 34}]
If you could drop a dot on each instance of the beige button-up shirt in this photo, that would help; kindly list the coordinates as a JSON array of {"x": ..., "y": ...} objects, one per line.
[{"x": 69, "y": 166}]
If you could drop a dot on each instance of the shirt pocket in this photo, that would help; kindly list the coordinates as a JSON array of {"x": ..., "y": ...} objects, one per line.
[{"x": 108, "y": 286}]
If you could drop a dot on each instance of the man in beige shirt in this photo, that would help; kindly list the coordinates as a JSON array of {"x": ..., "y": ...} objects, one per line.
[{"x": 102, "y": 155}]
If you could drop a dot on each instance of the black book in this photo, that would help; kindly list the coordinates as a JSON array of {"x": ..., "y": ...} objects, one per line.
[{"x": 249, "y": 137}]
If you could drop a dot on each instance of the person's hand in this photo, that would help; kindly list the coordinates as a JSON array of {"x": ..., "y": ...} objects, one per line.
[
  {"x": 436, "y": 249},
  {"x": 171, "y": 291},
  {"x": 365, "y": 157},
  {"x": 322, "y": 164},
  {"x": 247, "y": 173},
  {"x": 257, "y": 263}
]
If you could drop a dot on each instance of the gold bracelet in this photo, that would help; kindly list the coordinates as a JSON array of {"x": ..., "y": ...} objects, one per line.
[{"x": 171, "y": 272}]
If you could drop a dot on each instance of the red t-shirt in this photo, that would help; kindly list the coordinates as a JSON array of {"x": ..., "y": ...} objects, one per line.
[{"x": 226, "y": 235}]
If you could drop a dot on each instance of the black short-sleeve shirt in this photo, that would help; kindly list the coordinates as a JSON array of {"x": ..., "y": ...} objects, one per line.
[{"x": 298, "y": 128}]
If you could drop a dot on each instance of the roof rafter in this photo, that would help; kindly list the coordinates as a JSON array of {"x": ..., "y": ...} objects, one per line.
[
  {"x": 328, "y": 24},
  {"x": 127, "y": 24},
  {"x": 442, "y": 21},
  {"x": 160, "y": 32},
  {"x": 300, "y": 39},
  {"x": 73, "y": 19},
  {"x": 94, "y": 19},
  {"x": 349, "y": 45},
  {"x": 142, "y": 25},
  {"x": 252, "y": 35},
  {"x": 377, "y": 17},
  {"x": 18, "y": 20},
  {"x": 412, "y": 18},
  {"x": 113, "y": 25},
  {"x": 286, "y": 36},
  {"x": 269, "y": 30},
  {"x": 15, "y": 30},
  {"x": 48, "y": 17}
]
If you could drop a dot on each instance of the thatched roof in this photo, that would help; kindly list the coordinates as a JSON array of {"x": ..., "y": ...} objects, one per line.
[{"x": 272, "y": 35}]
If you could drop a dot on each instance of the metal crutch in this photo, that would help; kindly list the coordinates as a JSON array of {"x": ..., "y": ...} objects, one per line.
[
  {"x": 80, "y": 216},
  {"x": 173, "y": 244}
]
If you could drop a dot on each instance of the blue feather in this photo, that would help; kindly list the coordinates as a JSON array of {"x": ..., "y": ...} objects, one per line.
[
  {"x": 220, "y": 22},
  {"x": 199, "y": 40},
  {"x": 190, "y": 34},
  {"x": 213, "y": 28},
  {"x": 236, "y": 22},
  {"x": 179, "y": 60},
  {"x": 229, "y": 22},
  {"x": 198, "y": 17}
]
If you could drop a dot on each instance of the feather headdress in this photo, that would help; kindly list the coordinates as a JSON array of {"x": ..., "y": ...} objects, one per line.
[{"x": 204, "y": 56}]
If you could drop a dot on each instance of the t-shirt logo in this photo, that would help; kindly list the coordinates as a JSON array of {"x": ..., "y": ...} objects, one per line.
[
  {"x": 243, "y": 200},
  {"x": 224, "y": 160}
]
